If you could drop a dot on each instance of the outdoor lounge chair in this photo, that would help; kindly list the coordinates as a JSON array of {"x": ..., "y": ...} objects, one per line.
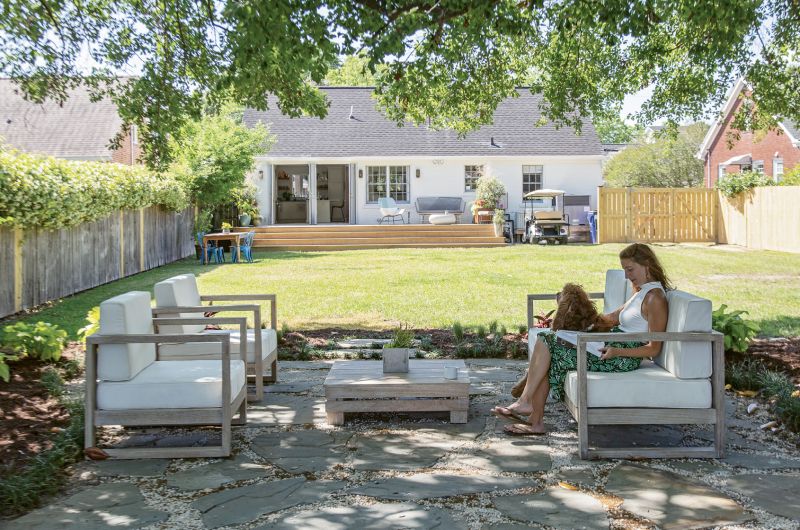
[
  {"x": 178, "y": 296},
  {"x": 426, "y": 206},
  {"x": 389, "y": 210},
  {"x": 684, "y": 384},
  {"x": 127, "y": 383}
]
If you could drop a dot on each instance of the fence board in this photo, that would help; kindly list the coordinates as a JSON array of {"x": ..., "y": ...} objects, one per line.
[
  {"x": 765, "y": 218},
  {"x": 58, "y": 263}
]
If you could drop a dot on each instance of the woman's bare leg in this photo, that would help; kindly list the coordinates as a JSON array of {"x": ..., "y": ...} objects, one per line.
[{"x": 537, "y": 387}]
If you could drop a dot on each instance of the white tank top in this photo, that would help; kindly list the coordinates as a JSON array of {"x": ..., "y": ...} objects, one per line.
[{"x": 630, "y": 318}]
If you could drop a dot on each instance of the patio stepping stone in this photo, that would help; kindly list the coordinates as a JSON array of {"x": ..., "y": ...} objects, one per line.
[
  {"x": 555, "y": 507},
  {"x": 776, "y": 494},
  {"x": 428, "y": 485},
  {"x": 286, "y": 409},
  {"x": 488, "y": 374},
  {"x": 670, "y": 500},
  {"x": 128, "y": 468},
  {"x": 100, "y": 507},
  {"x": 377, "y": 516},
  {"x": 760, "y": 461},
  {"x": 212, "y": 476},
  {"x": 365, "y": 344},
  {"x": 297, "y": 387},
  {"x": 577, "y": 477},
  {"x": 303, "y": 451},
  {"x": 243, "y": 504},
  {"x": 302, "y": 366},
  {"x": 401, "y": 451},
  {"x": 512, "y": 455}
]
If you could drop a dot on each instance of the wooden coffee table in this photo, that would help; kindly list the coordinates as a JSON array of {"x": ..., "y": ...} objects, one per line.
[{"x": 361, "y": 386}]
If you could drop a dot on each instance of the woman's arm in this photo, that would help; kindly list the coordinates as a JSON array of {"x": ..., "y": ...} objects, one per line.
[
  {"x": 655, "y": 310},
  {"x": 613, "y": 318}
]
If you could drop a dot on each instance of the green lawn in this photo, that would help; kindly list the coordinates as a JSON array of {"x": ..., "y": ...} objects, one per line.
[{"x": 433, "y": 288}]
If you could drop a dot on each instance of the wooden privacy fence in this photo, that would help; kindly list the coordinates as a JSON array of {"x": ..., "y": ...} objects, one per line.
[
  {"x": 37, "y": 266},
  {"x": 766, "y": 218},
  {"x": 657, "y": 214}
]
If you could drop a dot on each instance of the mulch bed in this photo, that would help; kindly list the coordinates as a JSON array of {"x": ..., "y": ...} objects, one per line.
[
  {"x": 779, "y": 354},
  {"x": 31, "y": 417}
]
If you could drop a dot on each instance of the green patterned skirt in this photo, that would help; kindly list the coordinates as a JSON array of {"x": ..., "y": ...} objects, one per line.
[{"x": 564, "y": 359}]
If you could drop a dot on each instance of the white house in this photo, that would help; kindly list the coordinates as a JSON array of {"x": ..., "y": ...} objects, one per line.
[{"x": 335, "y": 169}]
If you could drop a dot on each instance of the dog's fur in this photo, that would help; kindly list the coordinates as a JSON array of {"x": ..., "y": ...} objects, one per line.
[{"x": 575, "y": 312}]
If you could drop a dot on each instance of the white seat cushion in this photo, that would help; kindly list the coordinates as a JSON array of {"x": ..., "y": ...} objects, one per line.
[
  {"x": 179, "y": 291},
  {"x": 648, "y": 387},
  {"x": 171, "y": 385},
  {"x": 688, "y": 360},
  {"x": 126, "y": 314},
  {"x": 269, "y": 346},
  {"x": 442, "y": 219}
]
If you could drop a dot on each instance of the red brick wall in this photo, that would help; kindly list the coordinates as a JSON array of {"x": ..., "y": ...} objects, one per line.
[
  {"x": 762, "y": 147},
  {"x": 128, "y": 153}
]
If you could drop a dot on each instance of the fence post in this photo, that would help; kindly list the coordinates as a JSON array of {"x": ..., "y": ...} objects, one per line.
[
  {"x": 141, "y": 239},
  {"x": 18, "y": 268},
  {"x": 121, "y": 244},
  {"x": 674, "y": 236},
  {"x": 628, "y": 214}
]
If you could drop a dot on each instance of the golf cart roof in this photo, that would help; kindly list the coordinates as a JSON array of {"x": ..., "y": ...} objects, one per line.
[{"x": 543, "y": 193}]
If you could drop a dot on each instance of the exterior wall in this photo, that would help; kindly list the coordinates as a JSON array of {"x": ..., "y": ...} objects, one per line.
[
  {"x": 445, "y": 177},
  {"x": 128, "y": 152},
  {"x": 761, "y": 148}
]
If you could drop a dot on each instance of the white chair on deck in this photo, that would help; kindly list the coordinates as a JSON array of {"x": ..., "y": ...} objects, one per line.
[
  {"x": 389, "y": 210},
  {"x": 179, "y": 296}
]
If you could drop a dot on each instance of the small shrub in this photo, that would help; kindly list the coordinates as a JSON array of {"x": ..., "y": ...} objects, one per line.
[
  {"x": 52, "y": 381},
  {"x": 775, "y": 383},
  {"x": 426, "y": 343},
  {"x": 792, "y": 178},
  {"x": 401, "y": 338},
  {"x": 458, "y": 332},
  {"x": 281, "y": 333},
  {"x": 480, "y": 331},
  {"x": 745, "y": 375},
  {"x": 375, "y": 355},
  {"x": 522, "y": 329},
  {"x": 5, "y": 371},
  {"x": 735, "y": 183},
  {"x": 93, "y": 326},
  {"x": 419, "y": 354},
  {"x": 787, "y": 407},
  {"x": 493, "y": 327},
  {"x": 41, "y": 340},
  {"x": 738, "y": 331}
]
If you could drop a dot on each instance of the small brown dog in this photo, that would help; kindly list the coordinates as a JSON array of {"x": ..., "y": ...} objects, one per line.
[{"x": 576, "y": 312}]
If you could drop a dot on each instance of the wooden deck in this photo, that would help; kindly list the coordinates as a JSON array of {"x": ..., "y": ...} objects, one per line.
[{"x": 353, "y": 237}]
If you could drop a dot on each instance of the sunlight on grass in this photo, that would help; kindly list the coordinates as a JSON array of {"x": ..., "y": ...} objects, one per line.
[{"x": 432, "y": 288}]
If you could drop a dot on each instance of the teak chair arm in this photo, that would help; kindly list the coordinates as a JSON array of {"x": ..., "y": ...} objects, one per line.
[
  {"x": 247, "y": 297},
  {"x": 549, "y": 296},
  {"x": 241, "y": 321}
]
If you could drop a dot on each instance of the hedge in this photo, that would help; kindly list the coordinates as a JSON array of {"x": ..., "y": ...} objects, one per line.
[{"x": 46, "y": 192}]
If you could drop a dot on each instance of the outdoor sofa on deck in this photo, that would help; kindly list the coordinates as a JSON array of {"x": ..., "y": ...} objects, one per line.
[{"x": 427, "y": 206}]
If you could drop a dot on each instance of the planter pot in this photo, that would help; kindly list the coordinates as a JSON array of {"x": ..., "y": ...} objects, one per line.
[
  {"x": 244, "y": 220},
  {"x": 498, "y": 229},
  {"x": 257, "y": 221},
  {"x": 226, "y": 230},
  {"x": 483, "y": 216},
  {"x": 395, "y": 360}
]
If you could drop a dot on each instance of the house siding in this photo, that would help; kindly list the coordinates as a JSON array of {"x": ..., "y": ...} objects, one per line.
[
  {"x": 760, "y": 146},
  {"x": 128, "y": 152}
]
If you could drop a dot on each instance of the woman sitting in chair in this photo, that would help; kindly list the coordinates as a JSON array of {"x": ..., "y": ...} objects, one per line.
[{"x": 552, "y": 359}]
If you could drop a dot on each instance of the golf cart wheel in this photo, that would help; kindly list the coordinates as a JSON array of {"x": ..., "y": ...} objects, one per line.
[
  {"x": 534, "y": 240},
  {"x": 564, "y": 240}
]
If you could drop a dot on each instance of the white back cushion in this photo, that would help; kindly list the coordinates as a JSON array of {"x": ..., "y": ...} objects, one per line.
[
  {"x": 126, "y": 314},
  {"x": 179, "y": 291},
  {"x": 687, "y": 360},
  {"x": 618, "y": 290}
]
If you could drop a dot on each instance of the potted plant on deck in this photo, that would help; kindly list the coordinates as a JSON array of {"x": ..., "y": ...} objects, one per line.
[
  {"x": 498, "y": 220},
  {"x": 488, "y": 193},
  {"x": 246, "y": 203},
  {"x": 226, "y": 228}
]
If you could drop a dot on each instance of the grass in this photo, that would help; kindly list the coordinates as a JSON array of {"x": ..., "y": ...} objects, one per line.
[{"x": 432, "y": 288}]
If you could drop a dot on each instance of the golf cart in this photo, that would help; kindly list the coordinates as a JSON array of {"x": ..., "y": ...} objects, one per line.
[{"x": 545, "y": 220}]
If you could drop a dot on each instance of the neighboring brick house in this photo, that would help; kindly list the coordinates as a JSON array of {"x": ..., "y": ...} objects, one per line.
[
  {"x": 773, "y": 153},
  {"x": 80, "y": 129}
]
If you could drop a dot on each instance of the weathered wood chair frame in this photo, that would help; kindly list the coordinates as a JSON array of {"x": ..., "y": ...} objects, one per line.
[
  {"x": 258, "y": 364},
  {"x": 586, "y": 416},
  {"x": 219, "y": 416}
]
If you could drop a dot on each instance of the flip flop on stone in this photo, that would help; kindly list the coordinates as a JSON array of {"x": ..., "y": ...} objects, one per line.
[
  {"x": 508, "y": 414},
  {"x": 522, "y": 429}
]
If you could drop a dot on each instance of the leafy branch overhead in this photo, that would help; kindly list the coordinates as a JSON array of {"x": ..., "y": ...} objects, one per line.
[{"x": 445, "y": 62}]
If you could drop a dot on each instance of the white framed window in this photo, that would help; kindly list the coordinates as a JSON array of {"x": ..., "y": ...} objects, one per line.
[
  {"x": 134, "y": 135},
  {"x": 720, "y": 171},
  {"x": 471, "y": 176},
  {"x": 388, "y": 181},
  {"x": 777, "y": 169},
  {"x": 758, "y": 166},
  {"x": 532, "y": 178}
]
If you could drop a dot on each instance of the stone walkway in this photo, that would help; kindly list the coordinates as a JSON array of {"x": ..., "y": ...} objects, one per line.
[{"x": 292, "y": 470}]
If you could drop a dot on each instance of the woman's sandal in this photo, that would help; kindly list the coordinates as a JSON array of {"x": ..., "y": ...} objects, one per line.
[
  {"x": 522, "y": 429},
  {"x": 508, "y": 414}
]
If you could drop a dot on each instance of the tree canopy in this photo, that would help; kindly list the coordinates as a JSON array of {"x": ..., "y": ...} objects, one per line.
[
  {"x": 447, "y": 63},
  {"x": 352, "y": 71},
  {"x": 665, "y": 162}
]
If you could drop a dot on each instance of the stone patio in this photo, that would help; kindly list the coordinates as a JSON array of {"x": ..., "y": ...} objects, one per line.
[{"x": 292, "y": 470}]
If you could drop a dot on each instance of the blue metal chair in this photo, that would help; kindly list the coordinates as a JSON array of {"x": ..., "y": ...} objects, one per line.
[
  {"x": 246, "y": 248},
  {"x": 214, "y": 250}
]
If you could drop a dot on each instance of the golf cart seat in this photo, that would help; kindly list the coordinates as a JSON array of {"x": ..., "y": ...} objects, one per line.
[{"x": 548, "y": 216}]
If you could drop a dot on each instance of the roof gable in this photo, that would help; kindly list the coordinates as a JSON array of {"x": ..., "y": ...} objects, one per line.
[
  {"x": 80, "y": 128},
  {"x": 354, "y": 127}
]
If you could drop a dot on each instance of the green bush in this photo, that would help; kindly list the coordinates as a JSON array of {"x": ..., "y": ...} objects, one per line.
[
  {"x": 46, "y": 192},
  {"x": 745, "y": 375},
  {"x": 93, "y": 326},
  {"x": 458, "y": 332},
  {"x": 738, "y": 332},
  {"x": 41, "y": 340},
  {"x": 792, "y": 178},
  {"x": 5, "y": 371},
  {"x": 735, "y": 183},
  {"x": 401, "y": 338}
]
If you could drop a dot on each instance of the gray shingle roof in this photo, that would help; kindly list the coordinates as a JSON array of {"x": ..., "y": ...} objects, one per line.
[
  {"x": 78, "y": 129},
  {"x": 793, "y": 129},
  {"x": 371, "y": 134}
]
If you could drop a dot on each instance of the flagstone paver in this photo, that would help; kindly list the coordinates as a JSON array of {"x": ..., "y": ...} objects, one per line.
[
  {"x": 556, "y": 507},
  {"x": 214, "y": 475},
  {"x": 246, "y": 503},
  {"x": 106, "y": 506},
  {"x": 370, "y": 472},
  {"x": 774, "y": 493},
  {"x": 377, "y": 516},
  {"x": 670, "y": 500},
  {"x": 430, "y": 485},
  {"x": 303, "y": 451}
]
